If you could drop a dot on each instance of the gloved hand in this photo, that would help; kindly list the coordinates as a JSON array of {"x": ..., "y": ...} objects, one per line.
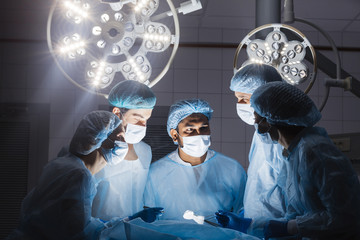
[
  {"x": 233, "y": 221},
  {"x": 148, "y": 215},
  {"x": 276, "y": 229}
]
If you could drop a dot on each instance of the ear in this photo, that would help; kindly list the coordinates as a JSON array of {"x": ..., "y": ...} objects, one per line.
[
  {"x": 116, "y": 111},
  {"x": 174, "y": 135}
]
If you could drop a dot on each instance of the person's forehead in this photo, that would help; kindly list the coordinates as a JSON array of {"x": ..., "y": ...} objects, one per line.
[
  {"x": 195, "y": 118},
  {"x": 143, "y": 113},
  {"x": 242, "y": 94}
]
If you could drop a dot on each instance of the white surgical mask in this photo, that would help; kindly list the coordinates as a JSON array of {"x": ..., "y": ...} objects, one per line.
[
  {"x": 246, "y": 113},
  {"x": 196, "y": 146},
  {"x": 264, "y": 137},
  {"x": 134, "y": 133}
]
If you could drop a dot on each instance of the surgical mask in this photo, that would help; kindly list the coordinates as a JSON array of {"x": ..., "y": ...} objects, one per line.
[
  {"x": 264, "y": 137},
  {"x": 246, "y": 113},
  {"x": 134, "y": 133},
  {"x": 116, "y": 154},
  {"x": 196, "y": 146},
  {"x": 120, "y": 150}
]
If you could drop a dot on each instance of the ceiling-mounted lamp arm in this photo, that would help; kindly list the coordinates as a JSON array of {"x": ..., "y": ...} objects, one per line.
[
  {"x": 185, "y": 8},
  {"x": 289, "y": 17}
]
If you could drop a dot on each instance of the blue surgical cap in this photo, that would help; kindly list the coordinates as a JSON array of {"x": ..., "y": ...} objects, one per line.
[
  {"x": 249, "y": 77},
  {"x": 93, "y": 129},
  {"x": 132, "y": 95},
  {"x": 182, "y": 109},
  {"x": 283, "y": 104}
]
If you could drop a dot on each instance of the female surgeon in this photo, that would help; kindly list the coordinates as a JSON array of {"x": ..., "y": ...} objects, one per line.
[
  {"x": 59, "y": 207},
  {"x": 321, "y": 187}
]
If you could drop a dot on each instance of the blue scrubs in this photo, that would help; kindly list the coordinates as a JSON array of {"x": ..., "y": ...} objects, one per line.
[
  {"x": 216, "y": 184},
  {"x": 121, "y": 187},
  {"x": 59, "y": 207},
  {"x": 322, "y": 188},
  {"x": 263, "y": 199}
]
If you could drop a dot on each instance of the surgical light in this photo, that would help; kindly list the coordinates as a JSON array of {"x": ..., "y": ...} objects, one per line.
[
  {"x": 287, "y": 56},
  {"x": 96, "y": 43}
]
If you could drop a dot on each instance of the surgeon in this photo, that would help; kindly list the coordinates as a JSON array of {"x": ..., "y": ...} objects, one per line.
[
  {"x": 194, "y": 177},
  {"x": 121, "y": 187},
  {"x": 59, "y": 207},
  {"x": 321, "y": 187},
  {"x": 263, "y": 197}
]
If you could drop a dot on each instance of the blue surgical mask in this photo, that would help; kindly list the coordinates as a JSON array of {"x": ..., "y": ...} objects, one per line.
[
  {"x": 264, "y": 137},
  {"x": 116, "y": 154}
]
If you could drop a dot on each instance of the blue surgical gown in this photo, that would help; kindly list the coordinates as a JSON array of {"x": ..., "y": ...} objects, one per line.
[
  {"x": 216, "y": 184},
  {"x": 121, "y": 187},
  {"x": 59, "y": 207},
  {"x": 322, "y": 188},
  {"x": 263, "y": 198}
]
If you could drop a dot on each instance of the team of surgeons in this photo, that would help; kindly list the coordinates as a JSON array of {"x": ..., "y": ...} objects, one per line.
[{"x": 298, "y": 184}]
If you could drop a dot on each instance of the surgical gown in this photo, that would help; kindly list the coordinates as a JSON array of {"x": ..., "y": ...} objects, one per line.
[
  {"x": 59, "y": 207},
  {"x": 216, "y": 184},
  {"x": 263, "y": 198},
  {"x": 121, "y": 187},
  {"x": 322, "y": 188}
]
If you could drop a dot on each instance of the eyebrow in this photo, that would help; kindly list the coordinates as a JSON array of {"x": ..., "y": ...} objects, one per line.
[
  {"x": 192, "y": 125},
  {"x": 138, "y": 115}
]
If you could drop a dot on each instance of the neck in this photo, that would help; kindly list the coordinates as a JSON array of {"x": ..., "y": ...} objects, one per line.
[
  {"x": 131, "y": 154},
  {"x": 286, "y": 138},
  {"x": 190, "y": 159},
  {"x": 285, "y": 141},
  {"x": 94, "y": 162}
]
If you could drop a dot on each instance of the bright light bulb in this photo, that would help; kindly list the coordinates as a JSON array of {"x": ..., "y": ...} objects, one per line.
[
  {"x": 108, "y": 70},
  {"x": 118, "y": 16},
  {"x": 96, "y": 30},
  {"x": 139, "y": 59},
  {"x": 126, "y": 68},
  {"x": 145, "y": 68},
  {"x": 151, "y": 29},
  {"x": 161, "y": 30},
  {"x": 105, "y": 18}
]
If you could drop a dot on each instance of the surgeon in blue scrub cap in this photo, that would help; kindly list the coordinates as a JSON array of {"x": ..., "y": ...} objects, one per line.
[
  {"x": 263, "y": 197},
  {"x": 59, "y": 207},
  {"x": 194, "y": 177},
  {"x": 121, "y": 187},
  {"x": 321, "y": 187}
]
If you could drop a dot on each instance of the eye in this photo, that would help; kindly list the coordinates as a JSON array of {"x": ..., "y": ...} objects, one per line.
[{"x": 188, "y": 130}]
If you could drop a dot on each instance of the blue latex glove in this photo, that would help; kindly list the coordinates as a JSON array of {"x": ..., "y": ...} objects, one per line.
[
  {"x": 233, "y": 220},
  {"x": 276, "y": 229},
  {"x": 148, "y": 215}
]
